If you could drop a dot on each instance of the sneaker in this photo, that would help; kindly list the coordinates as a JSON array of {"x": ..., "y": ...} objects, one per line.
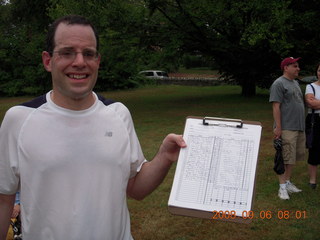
[
  {"x": 291, "y": 188},
  {"x": 283, "y": 194}
]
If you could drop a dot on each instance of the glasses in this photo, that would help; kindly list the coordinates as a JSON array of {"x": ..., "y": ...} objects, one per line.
[{"x": 70, "y": 55}]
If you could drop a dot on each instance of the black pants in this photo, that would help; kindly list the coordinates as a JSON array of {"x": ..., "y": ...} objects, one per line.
[{"x": 314, "y": 152}]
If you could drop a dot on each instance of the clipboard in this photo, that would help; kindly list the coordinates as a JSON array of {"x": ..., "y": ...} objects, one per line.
[{"x": 216, "y": 173}]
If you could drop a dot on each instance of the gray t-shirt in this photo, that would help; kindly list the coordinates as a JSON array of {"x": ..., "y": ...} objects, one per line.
[{"x": 288, "y": 94}]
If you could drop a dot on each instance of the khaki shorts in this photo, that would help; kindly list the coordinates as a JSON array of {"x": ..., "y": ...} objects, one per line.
[{"x": 293, "y": 146}]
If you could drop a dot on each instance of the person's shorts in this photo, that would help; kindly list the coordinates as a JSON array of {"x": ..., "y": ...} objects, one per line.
[{"x": 293, "y": 146}]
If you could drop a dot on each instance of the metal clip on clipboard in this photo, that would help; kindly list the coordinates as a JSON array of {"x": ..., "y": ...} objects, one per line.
[{"x": 224, "y": 119}]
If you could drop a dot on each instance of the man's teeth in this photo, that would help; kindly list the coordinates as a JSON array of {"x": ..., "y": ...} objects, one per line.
[{"x": 77, "y": 76}]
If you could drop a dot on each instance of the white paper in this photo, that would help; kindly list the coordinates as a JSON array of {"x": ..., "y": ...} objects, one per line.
[{"x": 216, "y": 171}]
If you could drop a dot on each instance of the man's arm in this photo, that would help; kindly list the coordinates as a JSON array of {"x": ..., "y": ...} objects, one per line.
[
  {"x": 152, "y": 173},
  {"x": 277, "y": 118},
  {"x": 6, "y": 208}
]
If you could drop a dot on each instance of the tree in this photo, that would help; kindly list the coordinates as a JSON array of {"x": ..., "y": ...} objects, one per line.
[
  {"x": 21, "y": 42},
  {"x": 128, "y": 39},
  {"x": 247, "y": 39},
  {"x": 304, "y": 34}
]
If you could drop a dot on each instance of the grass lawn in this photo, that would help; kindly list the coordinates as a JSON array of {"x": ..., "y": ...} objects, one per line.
[{"x": 160, "y": 110}]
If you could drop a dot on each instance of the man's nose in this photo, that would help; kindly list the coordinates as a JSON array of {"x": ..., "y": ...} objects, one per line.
[{"x": 79, "y": 59}]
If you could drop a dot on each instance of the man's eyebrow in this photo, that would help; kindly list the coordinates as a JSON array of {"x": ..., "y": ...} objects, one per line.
[
  {"x": 67, "y": 49},
  {"x": 72, "y": 49}
]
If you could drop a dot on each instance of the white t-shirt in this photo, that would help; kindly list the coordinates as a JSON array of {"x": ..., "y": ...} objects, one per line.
[
  {"x": 72, "y": 168},
  {"x": 317, "y": 95}
]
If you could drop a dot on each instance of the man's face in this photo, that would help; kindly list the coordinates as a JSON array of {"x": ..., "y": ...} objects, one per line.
[
  {"x": 74, "y": 74},
  {"x": 292, "y": 70}
]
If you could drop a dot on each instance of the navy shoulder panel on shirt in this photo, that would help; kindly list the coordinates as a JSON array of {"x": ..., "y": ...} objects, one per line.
[
  {"x": 36, "y": 102},
  {"x": 105, "y": 101}
]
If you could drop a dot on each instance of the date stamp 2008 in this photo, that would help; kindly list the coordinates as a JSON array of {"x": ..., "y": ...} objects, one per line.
[{"x": 265, "y": 214}]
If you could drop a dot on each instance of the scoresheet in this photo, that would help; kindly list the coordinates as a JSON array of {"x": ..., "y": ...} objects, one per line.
[{"x": 216, "y": 171}]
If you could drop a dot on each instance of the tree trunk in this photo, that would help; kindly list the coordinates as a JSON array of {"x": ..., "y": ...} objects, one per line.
[{"x": 248, "y": 88}]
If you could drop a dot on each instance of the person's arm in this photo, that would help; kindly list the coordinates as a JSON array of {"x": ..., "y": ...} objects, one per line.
[
  {"x": 16, "y": 211},
  {"x": 152, "y": 173},
  {"x": 6, "y": 207},
  {"x": 312, "y": 102},
  {"x": 277, "y": 118}
]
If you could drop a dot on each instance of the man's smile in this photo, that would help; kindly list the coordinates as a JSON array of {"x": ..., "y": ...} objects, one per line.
[{"x": 77, "y": 76}]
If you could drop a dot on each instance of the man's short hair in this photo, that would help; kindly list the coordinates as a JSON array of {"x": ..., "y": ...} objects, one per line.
[{"x": 69, "y": 20}]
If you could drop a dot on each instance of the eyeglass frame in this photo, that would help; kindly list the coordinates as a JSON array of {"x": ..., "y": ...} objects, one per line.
[{"x": 73, "y": 54}]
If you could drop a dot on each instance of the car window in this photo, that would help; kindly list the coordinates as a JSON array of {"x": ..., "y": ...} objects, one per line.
[
  {"x": 162, "y": 74},
  {"x": 153, "y": 74},
  {"x": 148, "y": 74}
]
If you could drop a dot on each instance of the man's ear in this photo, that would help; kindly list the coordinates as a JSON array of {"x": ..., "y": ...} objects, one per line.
[{"x": 46, "y": 61}]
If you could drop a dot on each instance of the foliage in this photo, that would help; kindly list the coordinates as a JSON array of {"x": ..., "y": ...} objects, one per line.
[
  {"x": 126, "y": 48},
  {"x": 126, "y": 45},
  {"x": 246, "y": 40},
  {"x": 21, "y": 39}
]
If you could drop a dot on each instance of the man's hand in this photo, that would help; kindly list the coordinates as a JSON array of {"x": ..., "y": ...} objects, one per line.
[
  {"x": 16, "y": 211},
  {"x": 277, "y": 133},
  {"x": 171, "y": 146}
]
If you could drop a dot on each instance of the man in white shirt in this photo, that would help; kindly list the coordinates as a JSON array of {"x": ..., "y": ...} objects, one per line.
[{"x": 73, "y": 155}]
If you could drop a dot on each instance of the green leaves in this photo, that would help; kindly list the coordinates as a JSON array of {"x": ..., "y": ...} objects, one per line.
[{"x": 246, "y": 39}]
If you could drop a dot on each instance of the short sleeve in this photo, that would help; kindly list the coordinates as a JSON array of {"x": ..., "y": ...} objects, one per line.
[
  {"x": 276, "y": 92},
  {"x": 309, "y": 89},
  {"x": 9, "y": 157},
  {"x": 137, "y": 158}
]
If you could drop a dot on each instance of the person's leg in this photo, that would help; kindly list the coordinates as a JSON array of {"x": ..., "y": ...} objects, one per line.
[
  {"x": 293, "y": 148},
  {"x": 313, "y": 161},
  {"x": 312, "y": 173},
  {"x": 314, "y": 154},
  {"x": 288, "y": 172},
  {"x": 312, "y": 176},
  {"x": 283, "y": 193},
  {"x": 287, "y": 155},
  {"x": 291, "y": 188}
]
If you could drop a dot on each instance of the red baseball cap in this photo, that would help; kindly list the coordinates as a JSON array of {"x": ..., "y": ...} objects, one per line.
[{"x": 288, "y": 61}]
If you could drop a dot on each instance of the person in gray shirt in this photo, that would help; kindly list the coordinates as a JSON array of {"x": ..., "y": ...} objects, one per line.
[{"x": 289, "y": 121}]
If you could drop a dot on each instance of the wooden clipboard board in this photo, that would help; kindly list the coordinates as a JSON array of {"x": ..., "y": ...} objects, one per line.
[{"x": 246, "y": 216}]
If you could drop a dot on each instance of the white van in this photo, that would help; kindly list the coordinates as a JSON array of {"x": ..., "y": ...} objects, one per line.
[{"x": 154, "y": 74}]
